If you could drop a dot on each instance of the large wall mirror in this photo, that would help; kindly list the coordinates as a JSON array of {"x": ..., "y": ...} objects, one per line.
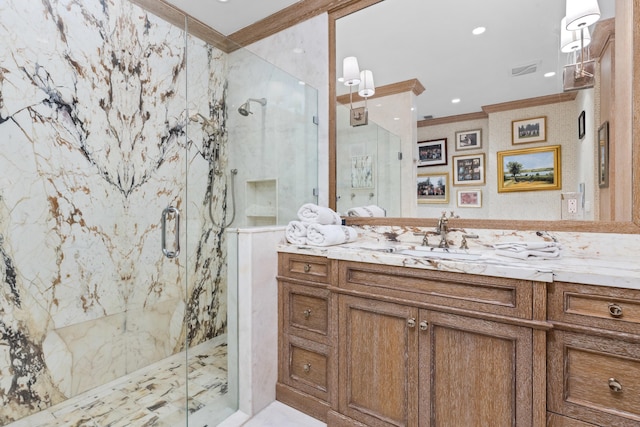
[{"x": 377, "y": 31}]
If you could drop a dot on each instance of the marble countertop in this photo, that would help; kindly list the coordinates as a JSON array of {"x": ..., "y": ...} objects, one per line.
[{"x": 583, "y": 259}]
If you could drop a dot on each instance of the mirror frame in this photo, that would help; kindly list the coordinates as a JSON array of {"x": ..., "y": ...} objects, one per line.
[{"x": 631, "y": 227}]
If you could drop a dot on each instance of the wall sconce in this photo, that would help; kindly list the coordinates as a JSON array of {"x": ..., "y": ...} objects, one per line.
[
  {"x": 353, "y": 76},
  {"x": 366, "y": 88},
  {"x": 574, "y": 35}
]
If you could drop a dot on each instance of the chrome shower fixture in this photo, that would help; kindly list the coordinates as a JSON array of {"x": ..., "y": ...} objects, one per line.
[{"x": 245, "y": 109}]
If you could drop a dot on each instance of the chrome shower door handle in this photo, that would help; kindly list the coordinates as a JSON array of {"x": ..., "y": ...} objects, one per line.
[{"x": 176, "y": 245}]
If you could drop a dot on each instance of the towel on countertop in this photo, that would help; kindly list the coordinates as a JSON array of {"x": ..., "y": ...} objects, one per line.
[
  {"x": 328, "y": 235},
  {"x": 296, "y": 233},
  {"x": 314, "y": 214},
  {"x": 367, "y": 211},
  {"x": 528, "y": 250}
]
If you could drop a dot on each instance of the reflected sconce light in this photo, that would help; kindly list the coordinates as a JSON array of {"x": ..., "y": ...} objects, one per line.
[
  {"x": 352, "y": 76},
  {"x": 574, "y": 38}
]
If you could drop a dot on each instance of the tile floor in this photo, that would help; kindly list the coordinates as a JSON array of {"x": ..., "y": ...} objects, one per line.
[{"x": 152, "y": 396}]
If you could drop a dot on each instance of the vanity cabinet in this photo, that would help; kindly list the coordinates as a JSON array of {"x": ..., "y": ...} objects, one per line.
[
  {"x": 306, "y": 368},
  {"x": 407, "y": 360},
  {"x": 593, "y": 356},
  {"x": 401, "y": 366}
]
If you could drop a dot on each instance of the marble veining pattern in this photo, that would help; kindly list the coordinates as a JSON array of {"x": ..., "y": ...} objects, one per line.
[
  {"x": 152, "y": 396},
  {"x": 588, "y": 258},
  {"x": 98, "y": 131}
]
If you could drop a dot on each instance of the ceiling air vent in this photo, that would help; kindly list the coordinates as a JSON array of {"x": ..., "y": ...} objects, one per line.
[{"x": 522, "y": 70}]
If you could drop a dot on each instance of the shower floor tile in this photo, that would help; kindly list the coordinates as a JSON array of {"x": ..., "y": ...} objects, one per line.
[{"x": 152, "y": 396}]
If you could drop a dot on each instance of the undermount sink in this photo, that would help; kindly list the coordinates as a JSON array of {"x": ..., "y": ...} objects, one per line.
[{"x": 441, "y": 253}]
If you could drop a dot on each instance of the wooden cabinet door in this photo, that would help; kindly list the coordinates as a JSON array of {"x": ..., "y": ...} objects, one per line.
[
  {"x": 474, "y": 372},
  {"x": 378, "y": 362}
]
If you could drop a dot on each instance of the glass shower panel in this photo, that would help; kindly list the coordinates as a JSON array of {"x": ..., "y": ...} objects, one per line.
[
  {"x": 274, "y": 148},
  {"x": 93, "y": 117},
  {"x": 367, "y": 166}
]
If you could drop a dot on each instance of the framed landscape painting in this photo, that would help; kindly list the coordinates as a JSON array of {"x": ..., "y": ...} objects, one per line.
[{"x": 530, "y": 169}]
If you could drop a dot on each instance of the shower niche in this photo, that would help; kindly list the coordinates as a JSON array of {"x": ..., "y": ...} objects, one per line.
[{"x": 262, "y": 202}]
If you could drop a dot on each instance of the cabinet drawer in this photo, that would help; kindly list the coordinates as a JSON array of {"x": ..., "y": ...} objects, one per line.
[
  {"x": 485, "y": 294},
  {"x": 595, "y": 306},
  {"x": 304, "y": 267},
  {"x": 307, "y": 311},
  {"x": 594, "y": 379},
  {"x": 307, "y": 368}
]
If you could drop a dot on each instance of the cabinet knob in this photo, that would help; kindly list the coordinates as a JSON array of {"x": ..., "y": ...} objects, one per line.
[
  {"x": 615, "y": 386},
  {"x": 306, "y": 367},
  {"x": 307, "y": 268},
  {"x": 411, "y": 323},
  {"x": 615, "y": 310},
  {"x": 424, "y": 325},
  {"x": 307, "y": 313}
]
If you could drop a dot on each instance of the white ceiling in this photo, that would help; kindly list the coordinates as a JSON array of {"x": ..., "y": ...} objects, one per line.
[
  {"x": 232, "y": 15},
  {"x": 432, "y": 41}
]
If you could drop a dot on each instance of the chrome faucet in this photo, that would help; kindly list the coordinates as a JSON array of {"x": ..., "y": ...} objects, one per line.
[{"x": 442, "y": 230}]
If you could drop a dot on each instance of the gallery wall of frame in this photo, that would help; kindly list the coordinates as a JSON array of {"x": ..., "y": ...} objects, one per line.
[{"x": 513, "y": 163}]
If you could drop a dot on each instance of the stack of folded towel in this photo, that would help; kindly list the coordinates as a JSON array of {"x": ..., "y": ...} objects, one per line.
[
  {"x": 528, "y": 250},
  {"x": 318, "y": 226},
  {"x": 370, "y": 211}
]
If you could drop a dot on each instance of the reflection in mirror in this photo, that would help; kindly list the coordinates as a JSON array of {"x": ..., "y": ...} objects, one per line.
[
  {"x": 449, "y": 71},
  {"x": 368, "y": 169}
]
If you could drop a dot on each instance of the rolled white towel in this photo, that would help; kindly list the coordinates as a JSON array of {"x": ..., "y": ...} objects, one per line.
[
  {"x": 314, "y": 214},
  {"x": 296, "y": 233},
  {"x": 368, "y": 211},
  {"x": 328, "y": 235}
]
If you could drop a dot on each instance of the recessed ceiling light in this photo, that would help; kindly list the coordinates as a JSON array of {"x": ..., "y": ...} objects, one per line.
[
  {"x": 298, "y": 50},
  {"x": 478, "y": 30},
  {"x": 396, "y": 118},
  {"x": 223, "y": 1},
  {"x": 378, "y": 105},
  {"x": 301, "y": 83},
  {"x": 455, "y": 100},
  {"x": 550, "y": 74}
]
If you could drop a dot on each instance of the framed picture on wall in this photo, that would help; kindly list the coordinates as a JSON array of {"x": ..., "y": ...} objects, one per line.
[
  {"x": 432, "y": 152},
  {"x": 529, "y": 169},
  {"x": 469, "y": 139},
  {"x": 362, "y": 171},
  {"x": 469, "y": 198},
  {"x": 603, "y": 155},
  {"x": 581, "y": 125},
  {"x": 529, "y": 130},
  {"x": 468, "y": 170},
  {"x": 433, "y": 187}
]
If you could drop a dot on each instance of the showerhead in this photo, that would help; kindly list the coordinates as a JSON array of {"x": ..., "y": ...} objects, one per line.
[{"x": 245, "y": 109}]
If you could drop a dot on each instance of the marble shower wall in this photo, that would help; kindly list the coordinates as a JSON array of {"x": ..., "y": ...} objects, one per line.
[{"x": 98, "y": 132}]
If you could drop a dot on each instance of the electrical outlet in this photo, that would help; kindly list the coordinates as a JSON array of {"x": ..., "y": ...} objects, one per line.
[{"x": 572, "y": 205}]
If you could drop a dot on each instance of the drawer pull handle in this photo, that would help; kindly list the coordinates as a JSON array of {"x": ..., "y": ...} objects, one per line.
[
  {"x": 306, "y": 367},
  {"x": 615, "y": 386},
  {"x": 615, "y": 310},
  {"x": 307, "y": 268},
  {"x": 307, "y": 313},
  {"x": 424, "y": 325},
  {"x": 411, "y": 323}
]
